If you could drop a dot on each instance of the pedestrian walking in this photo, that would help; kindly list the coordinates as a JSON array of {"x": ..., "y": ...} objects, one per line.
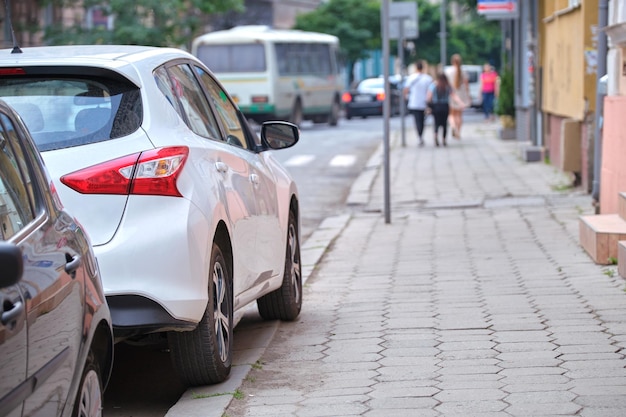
[
  {"x": 488, "y": 88},
  {"x": 439, "y": 97},
  {"x": 416, "y": 88},
  {"x": 459, "y": 82}
]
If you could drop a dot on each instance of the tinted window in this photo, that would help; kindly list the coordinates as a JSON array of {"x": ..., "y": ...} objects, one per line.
[
  {"x": 193, "y": 102},
  {"x": 371, "y": 83},
  {"x": 303, "y": 59},
  {"x": 15, "y": 209},
  {"x": 65, "y": 112},
  {"x": 225, "y": 110},
  {"x": 233, "y": 58}
]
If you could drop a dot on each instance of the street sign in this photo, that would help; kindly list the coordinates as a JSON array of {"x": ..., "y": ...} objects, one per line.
[
  {"x": 498, "y": 9},
  {"x": 403, "y": 12}
]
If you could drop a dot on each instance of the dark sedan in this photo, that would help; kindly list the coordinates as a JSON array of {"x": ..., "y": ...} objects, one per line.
[
  {"x": 56, "y": 339},
  {"x": 367, "y": 98}
]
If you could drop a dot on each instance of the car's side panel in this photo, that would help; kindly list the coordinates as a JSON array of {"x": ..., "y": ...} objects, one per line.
[
  {"x": 55, "y": 305},
  {"x": 13, "y": 353}
]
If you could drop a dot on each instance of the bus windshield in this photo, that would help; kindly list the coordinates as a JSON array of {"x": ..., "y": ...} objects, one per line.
[{"x": 245, "y": 57}]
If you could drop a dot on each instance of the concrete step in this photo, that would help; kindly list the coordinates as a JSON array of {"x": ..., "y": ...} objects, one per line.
[
  {"x": 599, "y": 234},
  {"x": 621, "y": 205},
  {"x": 621, "y": 258}
]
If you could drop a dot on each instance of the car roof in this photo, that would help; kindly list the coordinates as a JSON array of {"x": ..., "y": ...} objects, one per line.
[{"x": 119, "y": 58}]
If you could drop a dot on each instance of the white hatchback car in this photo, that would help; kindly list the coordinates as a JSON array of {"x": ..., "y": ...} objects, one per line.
[{"x": 190, "y": 217}]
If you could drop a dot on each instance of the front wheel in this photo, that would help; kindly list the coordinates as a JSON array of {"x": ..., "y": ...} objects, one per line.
[
  {"x": 89, "y": 398},
  {"x": 285, "y": 302},
  {"x": 204, "y": 356}
]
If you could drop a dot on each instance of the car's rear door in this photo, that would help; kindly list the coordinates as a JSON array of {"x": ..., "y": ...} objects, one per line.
[
  {"x": 223, "y": 179},
  {"x": 52, "y": 280},
  {"x": 268, "y": 248}
]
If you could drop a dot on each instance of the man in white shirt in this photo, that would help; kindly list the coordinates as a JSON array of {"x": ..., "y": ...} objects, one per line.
[{"x": 416, "y": 87}]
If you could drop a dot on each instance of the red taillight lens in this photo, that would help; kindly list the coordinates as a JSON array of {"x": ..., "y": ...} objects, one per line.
[
  {"x": 380, "y": 96},
  {"x": 12, "y": 71},
  {"x": 259, "y": 99},
  {"x": 147, "y": 173},
  {"x": 346, "y": 97}
]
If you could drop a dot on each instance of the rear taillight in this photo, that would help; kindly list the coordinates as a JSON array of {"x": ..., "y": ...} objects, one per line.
[
  {"x": 12, "y": 71},
  {"x": 346, "y": 97},
  {"x": 259, "y": 99},
  {"x": 151, "y": 172},
  {"x": 380, "y": 96}
]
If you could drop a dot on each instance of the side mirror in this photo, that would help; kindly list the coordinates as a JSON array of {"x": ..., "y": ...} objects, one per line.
[
  {"x": 279, "y": 135},
  {"x": 11, "y": 264}
]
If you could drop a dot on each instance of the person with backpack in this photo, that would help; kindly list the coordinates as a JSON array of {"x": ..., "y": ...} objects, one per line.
[
  {"x": 439, "y": 96},
  {"x": 417, "y": 88}
]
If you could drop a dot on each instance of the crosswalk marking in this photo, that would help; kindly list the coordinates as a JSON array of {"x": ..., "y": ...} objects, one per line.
[{"x": 341, "y": 161}]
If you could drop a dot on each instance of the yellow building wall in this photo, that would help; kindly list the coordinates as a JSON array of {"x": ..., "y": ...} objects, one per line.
[{"x": 568, "y": 42}]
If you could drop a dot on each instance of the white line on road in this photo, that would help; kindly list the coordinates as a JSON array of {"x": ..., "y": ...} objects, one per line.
[{"x": 343, "y": 161}]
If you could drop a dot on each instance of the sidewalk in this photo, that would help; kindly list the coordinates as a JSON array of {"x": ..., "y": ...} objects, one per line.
[{"x": 475, "y": 300}]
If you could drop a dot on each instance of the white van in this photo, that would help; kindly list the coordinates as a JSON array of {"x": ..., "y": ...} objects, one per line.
[{"x": 473, "y": 73}]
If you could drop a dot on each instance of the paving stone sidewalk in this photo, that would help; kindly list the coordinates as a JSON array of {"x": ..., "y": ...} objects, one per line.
[{"x": 475, "y": 300}]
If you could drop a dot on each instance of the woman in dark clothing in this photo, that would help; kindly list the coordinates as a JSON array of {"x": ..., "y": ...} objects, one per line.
[{"x": 439, "y": 95}]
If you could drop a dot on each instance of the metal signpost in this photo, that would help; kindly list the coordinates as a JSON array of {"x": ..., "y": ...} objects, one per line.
[
  {"x": 403, "y": 12},
  {"x": 384, "y": 23},
  {"x": 403, "y": 25}
]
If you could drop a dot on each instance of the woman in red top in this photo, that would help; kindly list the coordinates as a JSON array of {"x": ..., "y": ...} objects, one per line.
[{"x": 488, "y": 86}]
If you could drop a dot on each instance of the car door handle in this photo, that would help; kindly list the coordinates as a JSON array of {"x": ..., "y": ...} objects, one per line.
[
  {"x": 72, "y": 265},
  {"x": 221, "y": 167},
  {"x": 13, "y": 311},
  {"x": 254, "y": 179}
]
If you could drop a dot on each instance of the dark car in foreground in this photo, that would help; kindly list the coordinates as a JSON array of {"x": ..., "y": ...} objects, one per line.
[
  {"x": 56, "y": 338},
  {"x": 367, "y": 98}
]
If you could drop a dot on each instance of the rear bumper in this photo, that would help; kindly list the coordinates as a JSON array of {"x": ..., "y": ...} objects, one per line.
[
  {"x": 134, "y": 315},
  {"x": 158, "y": 259},
  {"x": 364, "y": 109}
]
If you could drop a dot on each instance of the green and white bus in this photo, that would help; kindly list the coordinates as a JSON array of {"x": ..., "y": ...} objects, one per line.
[{"x": 277, "y": 74}]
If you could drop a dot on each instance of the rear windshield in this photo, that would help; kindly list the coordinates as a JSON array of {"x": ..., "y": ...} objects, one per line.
[
  {"x": 62, "y": 112},
  {"x": 233, "y": 58}
]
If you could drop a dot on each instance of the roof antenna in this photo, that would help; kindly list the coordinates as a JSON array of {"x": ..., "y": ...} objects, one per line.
[{"x": 16, "y": 48}]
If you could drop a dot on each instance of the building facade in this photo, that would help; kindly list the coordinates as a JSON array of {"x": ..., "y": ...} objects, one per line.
[
  {"x": 613, "y": 168},
  {"x": 568, "y": 33}
]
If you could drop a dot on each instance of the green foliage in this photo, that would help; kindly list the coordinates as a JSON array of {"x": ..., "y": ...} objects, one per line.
[
  {"x": 141, "y": 22},
  {"x": 506, "y": 96},
  {"x": 355, "y": 22},
  {"x": 477, "y": 41},
  {"x": 427, "y": 44}
]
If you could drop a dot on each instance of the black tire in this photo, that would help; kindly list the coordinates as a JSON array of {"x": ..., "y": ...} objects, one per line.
[
  {"x": 285, "y": 303},
  {"x": 333, "y": 117},
  {"x": 296, "y": 116},
  {"x": 89, "y": 399},
  {"x": 204, "y": 356}
]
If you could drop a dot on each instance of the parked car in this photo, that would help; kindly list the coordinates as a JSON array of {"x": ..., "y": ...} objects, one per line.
[
  {"x": 56, "y": 339},
  {"x": 190, "y": 217},
  {"x": 367, "y": 98}
]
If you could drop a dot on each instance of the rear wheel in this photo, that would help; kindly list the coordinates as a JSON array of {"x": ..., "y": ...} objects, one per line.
[
  {"x": 333, "y": 117},
  {"x": 89, "y": 398},
  {"x": 204, "y": 356},
  {"x": 296, "y": 113},
  {"x": 285, "y": 303}
]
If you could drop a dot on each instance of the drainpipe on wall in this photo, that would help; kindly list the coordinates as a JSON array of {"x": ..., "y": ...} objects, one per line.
[{"x": 603, "y": 20}]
